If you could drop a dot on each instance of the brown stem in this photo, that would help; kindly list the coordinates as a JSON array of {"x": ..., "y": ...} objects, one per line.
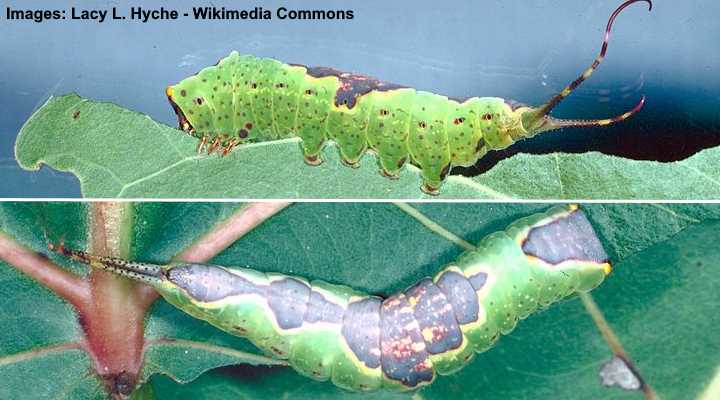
[
  {"x": 64, "y": 283},
  {"x": 613, "y": 341},
  {"x": 227, "y": 232},
  {"x": 113, "y": 321}
]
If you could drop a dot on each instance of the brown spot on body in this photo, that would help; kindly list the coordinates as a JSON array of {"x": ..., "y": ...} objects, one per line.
[
  {"x": 401, "y": 162},
  {"x": 444, "y": 172},
  {"x": 242, "y": 133}
]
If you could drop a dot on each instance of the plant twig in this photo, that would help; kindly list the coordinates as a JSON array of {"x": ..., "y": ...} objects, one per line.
[
  {"x": 113, "y": 322},
  {"x": 613, "y": 342},
  {"x": 227, "y": 232},
  {"x": 434, "y": 226},
  {"x": 62, "y": 282}
]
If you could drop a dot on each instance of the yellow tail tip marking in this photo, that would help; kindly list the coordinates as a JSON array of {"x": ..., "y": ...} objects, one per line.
[{"x": 607, "y": 268}]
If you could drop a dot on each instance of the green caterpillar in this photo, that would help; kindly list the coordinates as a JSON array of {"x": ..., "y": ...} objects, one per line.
[
  {"x": 364, "y": 342},
  {"x": 247, "y": 99}
]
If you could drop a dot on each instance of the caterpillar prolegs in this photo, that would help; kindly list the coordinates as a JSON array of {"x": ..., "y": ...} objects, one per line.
[
  {"x": 246, "y": 99},
  {"x": 362, "y": 342}
]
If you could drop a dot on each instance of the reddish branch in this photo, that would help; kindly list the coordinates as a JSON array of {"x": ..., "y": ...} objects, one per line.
[
  {"x": 229, "y": 231},
  {"x": 64, "y": 283},
  {"x": 111, "y": 310}
]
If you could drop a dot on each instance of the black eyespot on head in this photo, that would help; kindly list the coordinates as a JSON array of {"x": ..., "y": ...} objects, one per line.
[
  {"x": 199, "y": 101},
  {"x": 254, "y": 85},
  {"x": 384, "y": 112},
  {"x": 422, "y": 125},
  {"x": 183, "y": 93},
  {"x": 308, "y": 92},
  {"x": 487, "y": 117}
]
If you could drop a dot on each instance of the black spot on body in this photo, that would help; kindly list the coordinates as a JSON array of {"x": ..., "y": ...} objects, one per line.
[
  {"x": 480, "y": 145},
  {"x": 461, "y": 295},
  {"x": 208, "y": 283},
  {"x": 242, "y": 133},
  {"x": 288, "y": 299},
  {"x": 76, "y": 114},
  {"x": 568, "y": 238},
  {"x": 361, "y": 330},
  {"x": 435, "y": 317}
]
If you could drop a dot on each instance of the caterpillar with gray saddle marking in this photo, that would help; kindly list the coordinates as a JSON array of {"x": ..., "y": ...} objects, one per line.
[
  {"x": 364, "y": 342},
  {"x": 246, "y": 99}
]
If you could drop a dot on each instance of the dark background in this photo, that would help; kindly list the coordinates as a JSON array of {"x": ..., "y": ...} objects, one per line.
[{"x": 525, "y": 50}]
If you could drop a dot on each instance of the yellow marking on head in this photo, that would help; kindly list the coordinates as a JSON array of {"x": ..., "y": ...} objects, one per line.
[
  {"x": 169, "y": 91},
  {"x": 607, "y": 268}
]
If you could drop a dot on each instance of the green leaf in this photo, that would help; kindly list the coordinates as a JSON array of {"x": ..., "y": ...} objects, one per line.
[
  {"x": 98, "y": 141},
  {"x": 656, "y": 294}
]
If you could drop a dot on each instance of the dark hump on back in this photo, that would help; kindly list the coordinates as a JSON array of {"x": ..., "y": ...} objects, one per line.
[
  {"x": 208, "y": 283},
  {"x": 352, "y": 86},
  {"x": 568, "y": 238}
]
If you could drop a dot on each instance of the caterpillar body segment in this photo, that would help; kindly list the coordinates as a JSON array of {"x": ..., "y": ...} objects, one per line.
[
  {"x": 362, "y": 342},
  {"x": 247, "y": 99}
]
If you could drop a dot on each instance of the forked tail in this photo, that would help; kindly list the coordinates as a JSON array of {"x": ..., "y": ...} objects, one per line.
[
  {"x": 151, "y": 274},
  {"x": 539, "y": 114}
]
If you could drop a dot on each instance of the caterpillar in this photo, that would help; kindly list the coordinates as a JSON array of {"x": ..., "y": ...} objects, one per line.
[
  {"x": 362, "y": 342},
  {"x": 245, "y": 99}
]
